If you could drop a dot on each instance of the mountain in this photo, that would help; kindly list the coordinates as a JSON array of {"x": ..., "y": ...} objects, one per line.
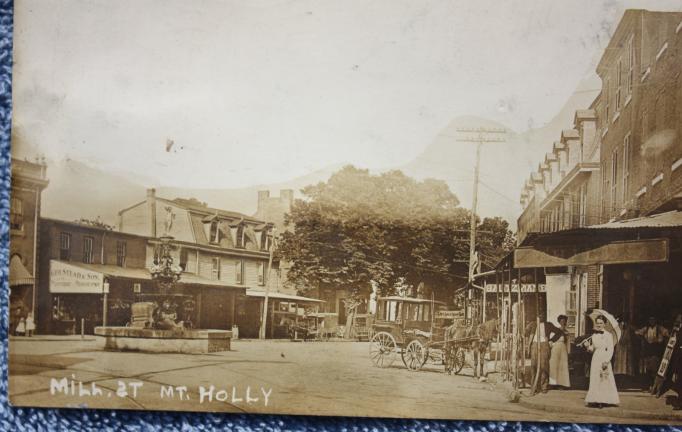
[
  {"x": 78, "y": 190},
  {"x": 504, "y": 166}
]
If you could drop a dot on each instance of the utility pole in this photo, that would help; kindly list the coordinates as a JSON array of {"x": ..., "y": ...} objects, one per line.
[
  {"x": 266, "y": 280},
  {"x": 480, "y": 135}
]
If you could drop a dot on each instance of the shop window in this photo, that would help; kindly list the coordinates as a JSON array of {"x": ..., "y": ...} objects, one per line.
[
  {"x": 16, "y": 215},
  {"x": 239, "y": 272},
  {"x": 215, "y": 268},
  {"x": 261, "y": 273},
  {"x": 121, "y": 253},
  {"x": 87, "y": 249},
  {"x": 64, "y": 246}
]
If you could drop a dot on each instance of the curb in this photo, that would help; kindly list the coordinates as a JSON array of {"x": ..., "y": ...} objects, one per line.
[{"x": 527, "y": 402}]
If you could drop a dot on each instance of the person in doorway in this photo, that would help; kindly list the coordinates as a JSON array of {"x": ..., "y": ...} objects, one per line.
[
  {"x": 623, "y": 362},
  {"x": 558, "y": 359},
  {"x": 676, "y": 363},
  {"x": 602, "y": 390},
  {"x": 30, "y": 325},
  {"x": 654, "y": 338},
  {"x": 539, "y": 353}
]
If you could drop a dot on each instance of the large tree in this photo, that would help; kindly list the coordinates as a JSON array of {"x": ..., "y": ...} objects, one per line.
[{"x": 357, "y": 228}]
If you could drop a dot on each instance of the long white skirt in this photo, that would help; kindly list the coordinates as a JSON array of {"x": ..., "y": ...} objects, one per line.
[
  {"x": 602, "y": 383},
  {"x": 558, "y": 365}
]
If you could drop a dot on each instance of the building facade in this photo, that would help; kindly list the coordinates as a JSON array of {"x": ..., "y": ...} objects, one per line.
[
  {"x": 640, "y": 122},
  {"x": 610, "y": 223},
  {"x": 230, "y": 249},
  {"x": 564, "y": 193},
  {"x": 28, "y": 181},
  {"x": 89, "y": 276}
]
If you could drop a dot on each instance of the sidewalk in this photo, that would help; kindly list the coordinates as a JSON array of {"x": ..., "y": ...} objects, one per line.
[
  {"x": 635, "y": 405},
  {"x": 53, "y": 338}
]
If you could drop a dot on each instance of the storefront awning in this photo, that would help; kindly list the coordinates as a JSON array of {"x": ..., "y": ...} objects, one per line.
[
  {"x": 282, "y": 296},
  {"x": 638, "y": 240},
  {"x": 18, "y": 274}
]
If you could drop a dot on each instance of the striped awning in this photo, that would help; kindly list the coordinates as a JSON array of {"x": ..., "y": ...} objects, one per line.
[{"x": 18, "y": 274}]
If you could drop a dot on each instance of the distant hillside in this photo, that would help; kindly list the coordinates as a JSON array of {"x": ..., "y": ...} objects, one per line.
[
  {"x": 504, "y": 166},
  {"x": 78, "y": 190}
]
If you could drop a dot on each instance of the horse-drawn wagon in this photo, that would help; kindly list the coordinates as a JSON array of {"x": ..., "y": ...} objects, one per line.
[{"x": 420, "y": 330}]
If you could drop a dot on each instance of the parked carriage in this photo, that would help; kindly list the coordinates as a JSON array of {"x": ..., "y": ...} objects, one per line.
[{"x": 417, "y": 330}]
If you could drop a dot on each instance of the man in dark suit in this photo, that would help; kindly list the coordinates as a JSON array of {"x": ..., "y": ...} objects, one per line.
[{"x": 548, "y": 333}]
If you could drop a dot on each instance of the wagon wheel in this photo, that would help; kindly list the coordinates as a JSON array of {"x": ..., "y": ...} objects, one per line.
[
  {"x": 382, "y": 350},
  {"x": 415, "y": 355},
  {"x": 457, "y": 360}
]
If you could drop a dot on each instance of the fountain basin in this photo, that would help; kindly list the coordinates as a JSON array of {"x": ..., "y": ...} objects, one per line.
[{"x": 163, "y": 341}]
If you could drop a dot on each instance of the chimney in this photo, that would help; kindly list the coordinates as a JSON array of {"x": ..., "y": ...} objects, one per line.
[
  {"x": 263, "y": 196},
  {"x": 151, "y": 204},
  {"x": 286, "y": 196}
]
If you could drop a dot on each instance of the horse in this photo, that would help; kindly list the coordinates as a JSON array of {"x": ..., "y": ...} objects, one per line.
[{"x": 481, "y": 334}]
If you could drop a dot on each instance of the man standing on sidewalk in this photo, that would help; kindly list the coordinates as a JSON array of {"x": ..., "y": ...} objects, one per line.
[{"x": 540, "y": 379}]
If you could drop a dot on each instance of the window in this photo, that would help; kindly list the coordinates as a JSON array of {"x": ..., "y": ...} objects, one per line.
[
  {"x": 626, "y": 166},
  {"x": 631, "y": 64},
  {"x": 614, "y": 180},
  {"x": 619, "y": 83},
  {"x": 64, "y": 246},
  {"x": 121, "y": 253},
  {"x": 607, "y": 83},
  {"x": 16, "y": 214},
  {"x": 239, "y": 272},
  {"x": 261, "y": 273},
  {"x": 240, "y": 236},
  {"x": 87, "y": 249},
  {"x": 583, "y": 204},
  {"x": 604, "y": 190},
  {"x": 214, "y": 232},
  {"x": 215, "y": 268}
]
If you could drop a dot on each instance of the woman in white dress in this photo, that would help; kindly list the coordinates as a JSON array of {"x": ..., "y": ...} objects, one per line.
[
  {"x": 558, "y": 358},
  {"x": 602, "y": 389}
]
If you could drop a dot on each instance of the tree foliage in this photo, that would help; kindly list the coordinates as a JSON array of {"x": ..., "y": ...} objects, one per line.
[{"x": 357, "y": 228}]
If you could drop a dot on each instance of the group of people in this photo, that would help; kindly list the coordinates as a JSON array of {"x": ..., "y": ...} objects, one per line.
[
  {"x": 25, "y": 326},
  {"x": 550, "y": 343},
  {"x": 609, "y": 356}
]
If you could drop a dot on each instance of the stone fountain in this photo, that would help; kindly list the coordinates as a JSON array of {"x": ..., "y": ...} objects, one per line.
[{"x": 154, "y": 325}]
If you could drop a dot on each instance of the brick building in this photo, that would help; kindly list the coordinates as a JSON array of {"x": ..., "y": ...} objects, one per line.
[
  {"x": 564, "y": 194},
  {"x": 624, "y": 242},
  {"x": 640, "y": 122},
  {"x": 86, "y": 271},
  {"x": 28, "y": 181}
]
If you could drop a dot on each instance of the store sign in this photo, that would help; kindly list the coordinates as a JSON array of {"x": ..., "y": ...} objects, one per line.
[
  {"x": 69, "y": 279},
  {"x": 449, "y": 314},
  {"x": 525, "y": 288},
  {"x": 615, "y": 252}
]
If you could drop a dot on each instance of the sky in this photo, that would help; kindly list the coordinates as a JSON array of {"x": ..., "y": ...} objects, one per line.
[{"x": 226, "y": 94}]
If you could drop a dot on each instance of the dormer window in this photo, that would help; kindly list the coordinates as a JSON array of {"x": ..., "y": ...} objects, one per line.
[
  {"x": 212, "y": 229},
  {"x": 214, "y": 233},
  {"x": 241, "y": 239}
]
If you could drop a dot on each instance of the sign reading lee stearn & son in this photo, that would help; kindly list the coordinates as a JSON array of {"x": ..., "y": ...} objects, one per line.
[{"x": 70, "y": 279}]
